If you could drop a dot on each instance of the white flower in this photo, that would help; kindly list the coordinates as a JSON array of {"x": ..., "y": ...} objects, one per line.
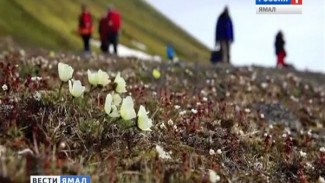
[
  {"x": 302, "y": 154},
  {"x": 22, "y": 53},
  {"x": 205, "y": 99},
  {"x": 322, "y": 149},
  {"x": 177, "y": 107},
  {"x": 162, "y": 126},
  {"x": 144, "y": 122},
  {"x": 264, "y": 85},
  {"x": 321, "y": 180},
  {"x": 37, "y": 96},
  {"x": 309, "y": 165},
  {"x": 247, "y": 110},
  {"x": 121, "y": 84},
  {"x": 102, "y": 78},
  {"x": 117, "y": 99},
  {"x": 114, "y": 113},
  {"x": 93, "y": 78},
  {"x": 182, "y": 113},
  {"x": 309, "y": 133},
  {"x": 212, "y": 152},
  {"x": 219, "y": 151},
  {"x": 294, "y": 99},
  {"x": 75, "y": 88},
  {"x": 288, "y": 130},
  {"x": 26, "y": 152},
  {"x": 108, "y": 104},
  {"x": 127, "y": 109},
  {"x": 213, "y": 176},
  {"x": 170, "y": 122},
  {"x": 162, "y": 154},
  {"x": 4, "y": 87},
  {"x": 194, "y": 111},
  {"x": 36, "y": 78},
  {"x": 65, "y": 72},
  {"x": 175, "y": 127}
]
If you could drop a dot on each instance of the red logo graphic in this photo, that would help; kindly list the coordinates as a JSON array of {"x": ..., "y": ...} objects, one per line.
[{"x": 296, "y": 2}]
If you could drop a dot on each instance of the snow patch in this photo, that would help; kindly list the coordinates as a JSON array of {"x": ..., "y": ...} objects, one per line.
[{"x": 124, "y": 51}]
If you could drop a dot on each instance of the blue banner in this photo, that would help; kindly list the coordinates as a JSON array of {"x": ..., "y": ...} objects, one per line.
[
  {"x": 273, "y": 2},
  {"x": 75, "y": 179}
]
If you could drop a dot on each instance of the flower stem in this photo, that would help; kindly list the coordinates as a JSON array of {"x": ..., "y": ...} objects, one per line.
[{"x": 61, "y": 85}]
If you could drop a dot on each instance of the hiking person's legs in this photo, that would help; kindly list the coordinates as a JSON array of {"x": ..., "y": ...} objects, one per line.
[
  {"x": 104, "y": 46},
  {"x": 280, "y": 59},
  {"x": 228, "y": 43},
  {"x": 108, "y": 42},
  {"x": 225, "y": 51},
  {"x": 86, "y": 39},
  {"x": 115, "y": 42},
  {"x": 112, "y": 40}
]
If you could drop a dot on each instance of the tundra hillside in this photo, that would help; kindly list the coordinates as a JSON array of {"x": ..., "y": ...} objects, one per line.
[
  {"x": 53, "y": 25},
  {"x": 225, "y": 124}
]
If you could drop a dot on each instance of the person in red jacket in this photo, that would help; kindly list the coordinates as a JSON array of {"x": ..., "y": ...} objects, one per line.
[
  {"x": 85, "y": 27},
  {"x": 114, "y": 25}
]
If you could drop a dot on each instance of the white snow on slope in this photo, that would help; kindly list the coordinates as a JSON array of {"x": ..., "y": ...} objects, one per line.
[{"x": 124, "y": 51}]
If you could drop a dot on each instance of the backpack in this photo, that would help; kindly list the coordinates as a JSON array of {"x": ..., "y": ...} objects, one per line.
[{"x": 216, "y": 55}]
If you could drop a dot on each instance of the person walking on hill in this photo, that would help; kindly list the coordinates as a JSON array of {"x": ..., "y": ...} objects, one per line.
[
  {"x": 85, "y": 27},
  {"x": 224, "y": 34},
  {"x": 103, "y": 26},
  {"x": 279, "y": 50},
  {"x": 113, "y": 29}
]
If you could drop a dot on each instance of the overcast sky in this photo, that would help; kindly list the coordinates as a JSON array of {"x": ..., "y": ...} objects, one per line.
[{"x": 255, "y": 34}]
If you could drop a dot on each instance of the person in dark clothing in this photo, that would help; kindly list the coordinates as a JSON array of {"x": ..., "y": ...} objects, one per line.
[
  {"x": 279, "y": 50},
  {"x": 224, "y": 34},
  {"x": 85, "y": 27},
  {"x": 103, "y": 26},
  {"x": 114, "y": 25}
]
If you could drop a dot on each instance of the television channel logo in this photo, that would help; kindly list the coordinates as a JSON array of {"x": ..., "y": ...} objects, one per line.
[
  {"x": 60, "y": 179},
  {"x": 278, "y": 6}
]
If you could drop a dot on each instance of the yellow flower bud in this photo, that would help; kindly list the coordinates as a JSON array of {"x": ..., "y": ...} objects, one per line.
[{"x": 156, "y": 73}]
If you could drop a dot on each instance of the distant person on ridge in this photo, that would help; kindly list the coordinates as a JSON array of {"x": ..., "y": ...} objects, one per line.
[
  {"x": 224, "y": 35},
  {"x": 114, "y": 25},
  {"x": 170, "y": 53},
  {"x": 279, "y": 50},
  {"x": 103, "y": 31},
  {"x": 85, "y": 27}
]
